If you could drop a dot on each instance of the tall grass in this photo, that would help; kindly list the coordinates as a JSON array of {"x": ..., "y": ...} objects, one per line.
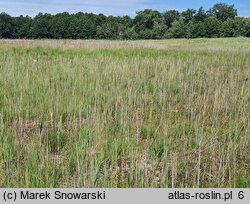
[{"x": 125, "y": 117}]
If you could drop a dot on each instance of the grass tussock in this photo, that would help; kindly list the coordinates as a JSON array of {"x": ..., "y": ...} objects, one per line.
[{"x": 119, "y": 114}]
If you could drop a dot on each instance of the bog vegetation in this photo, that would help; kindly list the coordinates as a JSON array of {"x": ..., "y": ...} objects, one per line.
[
  {"x": 219, "y": 21},
  {"x": 171, "y": 113}
]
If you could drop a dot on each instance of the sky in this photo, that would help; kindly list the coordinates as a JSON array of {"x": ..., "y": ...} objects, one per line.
[{"x": 111, "y": 7}]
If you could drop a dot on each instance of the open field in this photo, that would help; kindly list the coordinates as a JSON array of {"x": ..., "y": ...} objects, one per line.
[{"x": 172, "y": 113}]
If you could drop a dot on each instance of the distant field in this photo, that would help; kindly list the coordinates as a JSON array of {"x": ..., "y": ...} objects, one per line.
[{"x": 171, "y": 113}]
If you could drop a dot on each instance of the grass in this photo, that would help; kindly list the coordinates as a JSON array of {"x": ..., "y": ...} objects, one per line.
[{"x": 173, "y": 113}]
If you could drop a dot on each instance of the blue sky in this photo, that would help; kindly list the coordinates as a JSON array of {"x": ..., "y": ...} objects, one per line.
[{"x": 109, "y": 7}]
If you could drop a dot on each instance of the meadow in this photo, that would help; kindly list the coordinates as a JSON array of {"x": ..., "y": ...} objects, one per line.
[{"x": 169, "y": 113}]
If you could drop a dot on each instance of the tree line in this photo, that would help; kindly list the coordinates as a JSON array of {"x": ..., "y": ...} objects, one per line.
[{"x": 219, "y": 21}]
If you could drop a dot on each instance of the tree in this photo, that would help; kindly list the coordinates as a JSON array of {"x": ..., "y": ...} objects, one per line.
[
  {"x": 219, "y": 21},
  {"x": 188, "y": 15},
  {"x": 41, "y": 26},
  {"x": 21, "y": 27},
  {"x": 62, "y": 26},
  {"x": 212, "y": 27},
  {"x": 178, "y": 29},
  {"x": 146, "y": 19},
  {"x": 196, "y": 30},
  {"x": 159, "y": 30},
  {"x": 130, "y": 34},
  {"x": 247, "y": 27},
  {"x": 233, "y": 27},
  {"x": 147, "y": 23},
  {"x": 170, "y": 16},
  {"x": 200, "y": 15},
  {"x": 223, "y": 11},
  {"x": 6, "y": 26}
]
